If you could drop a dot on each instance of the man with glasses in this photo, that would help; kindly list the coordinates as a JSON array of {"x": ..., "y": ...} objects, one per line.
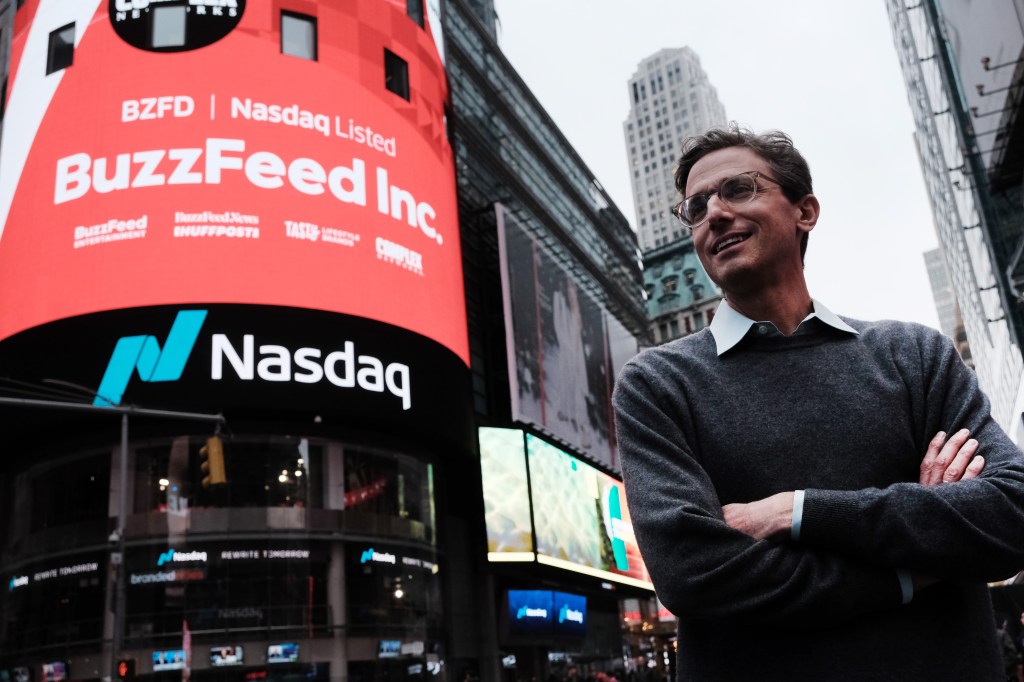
[{"x": 808, "y": 491}]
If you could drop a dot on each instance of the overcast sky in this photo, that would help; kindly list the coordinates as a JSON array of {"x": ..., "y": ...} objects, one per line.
[{"x": 824, "y": 71}]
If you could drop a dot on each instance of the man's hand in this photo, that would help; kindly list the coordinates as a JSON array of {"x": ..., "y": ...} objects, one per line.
[
  {"x": 764, "y": 519},
  {"x": 949, "y": 461},
  {"x": 946, "y": 461}
]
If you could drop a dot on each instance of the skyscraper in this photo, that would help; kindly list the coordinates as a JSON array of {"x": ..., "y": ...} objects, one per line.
[
  {"x": 671, "y": 98},
  {"x": 942, "y": 290},
  {"x": 964, "y": 77},
  {"x": 950, "y": 321}
]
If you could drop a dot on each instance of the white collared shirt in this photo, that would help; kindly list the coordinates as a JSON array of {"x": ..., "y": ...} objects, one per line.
[{"x": 729, "y": 326}]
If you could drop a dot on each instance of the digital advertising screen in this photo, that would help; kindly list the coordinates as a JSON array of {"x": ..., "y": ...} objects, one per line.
[
  {"x": 173, "y": 659},
  {"x": 569, "y": 618},
  {"x": 56, "y": 671},
  {"x": 389, "y": 648},
  {"x": 506, "y": 495},
  {"x": 580, "y": 517},
  {"x": 231, "y": 174},
  {"x": 539, "y": 614},
  {"x": 226, "y": 656},
  {"x": 287, "y": 652},
  {"x": 564, "y": 348},
  {"x": 530, "y": 613}
]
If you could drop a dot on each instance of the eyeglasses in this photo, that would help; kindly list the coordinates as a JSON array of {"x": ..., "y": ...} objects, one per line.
[{"x": 735, "y": 191}]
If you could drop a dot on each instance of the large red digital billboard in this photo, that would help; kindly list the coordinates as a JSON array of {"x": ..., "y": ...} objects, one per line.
[{"x": 232, "y": 173}]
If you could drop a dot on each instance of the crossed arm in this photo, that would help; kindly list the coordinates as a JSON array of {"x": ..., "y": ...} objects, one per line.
[
  {"x": 946, "y": 461},
  {"x": 709, "y": 561}
]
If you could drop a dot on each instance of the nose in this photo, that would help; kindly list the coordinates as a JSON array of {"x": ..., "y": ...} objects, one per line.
[{"x": 718, "y": 210}]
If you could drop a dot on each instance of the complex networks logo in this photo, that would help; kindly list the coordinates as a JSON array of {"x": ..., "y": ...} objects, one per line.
[{"x": 145, "y": 354}]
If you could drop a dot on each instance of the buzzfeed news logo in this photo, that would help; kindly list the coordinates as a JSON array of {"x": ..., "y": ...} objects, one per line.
[{"x": 344, "y": 367}]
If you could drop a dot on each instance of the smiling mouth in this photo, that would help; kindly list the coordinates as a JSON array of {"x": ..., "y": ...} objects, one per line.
[{"x": 721, "y": 246}]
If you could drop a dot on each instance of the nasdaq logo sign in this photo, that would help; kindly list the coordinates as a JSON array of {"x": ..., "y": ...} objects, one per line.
[
  {"x": 527, "y": 612},
  {"x": 153, "y": 362},
  {"x": 174, "y": 556},
  {"x": 370, "y": 554}
]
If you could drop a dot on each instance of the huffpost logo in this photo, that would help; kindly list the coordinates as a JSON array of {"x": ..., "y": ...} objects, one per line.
[{"x": 143, "y": 353}]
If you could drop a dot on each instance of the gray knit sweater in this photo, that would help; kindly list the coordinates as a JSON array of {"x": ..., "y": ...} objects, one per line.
[{"x": 848, "y": 418}]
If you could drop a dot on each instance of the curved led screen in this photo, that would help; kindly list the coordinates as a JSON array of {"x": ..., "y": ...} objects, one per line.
[
  {"x": 577, "y": 513},
  {"x": 581, "y": 519},
  {"x": 506, "y": 495},
  {"x": 230, "y": 174}
]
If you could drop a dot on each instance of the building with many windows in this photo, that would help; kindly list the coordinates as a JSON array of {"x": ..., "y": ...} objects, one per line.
[
  {"x": 950, "y": 321},
  {"x": 671, "y": 99},
  {"x": 681, "y": 298},
  {"x": 309, "y": 320},
  {"x": 551, "y": 265},
  {"x": 963, "y": 65}
]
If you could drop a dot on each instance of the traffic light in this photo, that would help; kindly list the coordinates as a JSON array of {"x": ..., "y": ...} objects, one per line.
[
  {"x": 126, "y": 669},
  {"x": 212, "y": 455}
]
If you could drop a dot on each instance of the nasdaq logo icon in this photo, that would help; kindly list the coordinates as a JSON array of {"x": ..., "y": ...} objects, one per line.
[
  {"x": 370, "y": 554},
  {"x": 174, "y": 556},
  {"x": 143, "y": 353}
]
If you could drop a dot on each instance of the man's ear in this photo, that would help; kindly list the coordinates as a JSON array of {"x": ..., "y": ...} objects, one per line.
[{"x": 808, "y": 210}]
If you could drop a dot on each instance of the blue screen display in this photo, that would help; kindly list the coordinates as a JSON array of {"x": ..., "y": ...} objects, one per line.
[
  {"x": 389, "y": 648},
  {"x": 169, "y": 660},
  {"x": 530, "y": 612},
  {"x": 569, "y": 615},
  {"x": 283, "y": 653}
]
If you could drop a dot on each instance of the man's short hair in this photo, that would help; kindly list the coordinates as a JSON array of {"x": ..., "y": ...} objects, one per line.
[{"x": 788, "y": 165}]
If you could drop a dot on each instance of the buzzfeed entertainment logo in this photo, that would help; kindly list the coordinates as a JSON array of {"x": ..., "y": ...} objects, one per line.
[{"x": 143, "y": 353}]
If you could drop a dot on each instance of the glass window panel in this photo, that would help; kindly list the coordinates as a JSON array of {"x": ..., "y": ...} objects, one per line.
[
  {"x": 396, "y": 74},
  {"x": 169, "y": 26},
  {"x": 61, "y": 51},
  {"x": 285, "y": 472},
  {"x": 298, "y": 35},
  {"x": 414, "y": 8}
]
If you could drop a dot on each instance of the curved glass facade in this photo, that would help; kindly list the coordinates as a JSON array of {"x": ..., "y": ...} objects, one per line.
[{"x": 321, "y": 544}]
